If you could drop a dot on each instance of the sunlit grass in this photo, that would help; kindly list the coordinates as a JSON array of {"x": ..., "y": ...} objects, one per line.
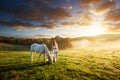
[{"x": 72, "y": 64}]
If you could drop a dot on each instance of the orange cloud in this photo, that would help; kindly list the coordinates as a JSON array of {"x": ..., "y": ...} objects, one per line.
[
  {"x": 76, "y": 24},
  {"x": 112, "y": 27},
  {"x": 113, "y": 15},
  {"x": 114, "y": 20},
  {"x": 86, "y": 18},
  {"x": 105, "y": 7},
  {"x": 89, "y": 3},
  {"x": 19, "y": 28}
]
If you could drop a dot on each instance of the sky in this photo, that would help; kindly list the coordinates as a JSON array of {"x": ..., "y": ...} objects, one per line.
[{"x": 65, "y": 18}]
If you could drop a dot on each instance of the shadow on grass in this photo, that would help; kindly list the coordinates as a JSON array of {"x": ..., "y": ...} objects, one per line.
[{"x": 19, "y": 67}]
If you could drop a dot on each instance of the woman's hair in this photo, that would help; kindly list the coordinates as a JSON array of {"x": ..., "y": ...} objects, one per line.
[{"x": 54, "y": 43}]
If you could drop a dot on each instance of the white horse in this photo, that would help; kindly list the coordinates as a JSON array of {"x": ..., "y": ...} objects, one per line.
[{"x": 40, "y": 48}]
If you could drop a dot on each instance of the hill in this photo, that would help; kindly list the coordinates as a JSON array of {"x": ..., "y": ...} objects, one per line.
[
  {"x": 13, "y": 47},
  {"x": 103, "y": 37},
  {"x": 105, "y": 41}
]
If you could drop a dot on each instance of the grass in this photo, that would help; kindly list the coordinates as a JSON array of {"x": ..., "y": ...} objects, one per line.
[{"x": 71, "y": 65}]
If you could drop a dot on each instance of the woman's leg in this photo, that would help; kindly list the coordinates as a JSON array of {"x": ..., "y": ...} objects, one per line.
[{"x": 56, "y": 56}]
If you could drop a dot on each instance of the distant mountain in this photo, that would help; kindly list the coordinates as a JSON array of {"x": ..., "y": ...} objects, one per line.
[{"x": 103, "y": 37}]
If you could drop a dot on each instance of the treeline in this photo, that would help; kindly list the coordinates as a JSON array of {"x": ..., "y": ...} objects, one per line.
[{"x": 62, "y": 42}]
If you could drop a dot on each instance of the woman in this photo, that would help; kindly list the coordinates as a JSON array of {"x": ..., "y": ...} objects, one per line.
[{"x": 55, "y": 50}]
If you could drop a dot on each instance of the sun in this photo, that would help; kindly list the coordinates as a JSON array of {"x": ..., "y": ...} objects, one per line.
[{"x": 95, "y": 29}]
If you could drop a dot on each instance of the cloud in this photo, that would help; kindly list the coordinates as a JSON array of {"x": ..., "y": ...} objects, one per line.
[
  {"x": 114, "y": 27},
  {"x": 83, "y": 20},
  {"x": 48, "y": 1},
  {"x": 23, "y": 12},
  {"x": 89, "y": 3},
  {"x": 67, "y": 7},
  {"x": 114, "y": 20},
  {"x": 86, "y": 12},
  {"x": 105, "y": 7},
  {"x": 76, "y": 24},
  {"x": 17, "y": 23},
  {"x": 20, "y": 28},
  {"x": 40, "y": 10},
  {"x": 41, "y": 36},
  {"x": 86, "y": 18},
  {"x": 113, "y": 15},
  {"x": 14, "y": 23}
]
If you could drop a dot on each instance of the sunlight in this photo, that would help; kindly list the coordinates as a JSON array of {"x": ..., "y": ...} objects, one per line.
[{"x": 96, "y": 29}]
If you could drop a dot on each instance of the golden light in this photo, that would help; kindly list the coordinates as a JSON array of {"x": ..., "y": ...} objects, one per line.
[{"x": 96, "y": 29}]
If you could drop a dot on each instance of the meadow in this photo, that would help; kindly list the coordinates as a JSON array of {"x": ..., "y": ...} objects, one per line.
[{"x": 79, "y": 64}]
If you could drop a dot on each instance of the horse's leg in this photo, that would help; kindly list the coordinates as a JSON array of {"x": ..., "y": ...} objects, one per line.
[
  {"x": 49, "y": 57},
  {"x": 39, "y": 56},
  {"x": 32, "y": 52},
  {"x": 45, "y": 57}
]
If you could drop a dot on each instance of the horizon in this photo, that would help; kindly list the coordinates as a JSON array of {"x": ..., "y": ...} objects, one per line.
[
  {"x": 62, "y": 37},
  {"x": 64, "y": 18}
]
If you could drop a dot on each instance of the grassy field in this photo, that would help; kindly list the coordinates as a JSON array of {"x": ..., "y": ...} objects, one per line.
[{"x": 71, "y": 65}]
